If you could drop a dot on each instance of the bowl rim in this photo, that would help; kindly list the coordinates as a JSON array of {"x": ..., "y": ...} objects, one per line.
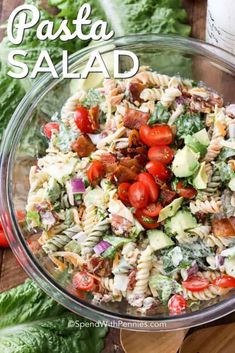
[{"x": 14, "y": 235}]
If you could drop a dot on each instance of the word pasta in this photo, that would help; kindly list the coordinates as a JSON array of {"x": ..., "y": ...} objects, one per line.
[{"x": 25, "y": 17}]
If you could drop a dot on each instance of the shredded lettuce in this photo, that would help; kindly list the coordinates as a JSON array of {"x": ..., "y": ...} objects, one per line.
[{"x": 188, "y": 124}]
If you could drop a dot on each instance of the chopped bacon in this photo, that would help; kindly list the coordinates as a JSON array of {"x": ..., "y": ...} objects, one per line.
[
  {"x": 123, "y": 174},
  {"x": 200, "y": 104},
  {"x": 131, "y": 163},
  {"x": 134, "y": 119},
  {"x": 167, "y": 196},
  {"x": 99, "y": 266},
  {"x": 132, "y": 279},
  {"x": 110, "y": 163},
  {"x": 135, "y": 89},
  {"x": 223, "y": 227},
  {"x": 83, "y": 146}
]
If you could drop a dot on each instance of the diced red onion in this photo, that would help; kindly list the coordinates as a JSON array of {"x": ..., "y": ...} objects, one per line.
[
  {"x": 96, "y": 138},
  {"x": 101, "y": 247},
  {"x": 77, "y": 186},
  {"x": 219, "y": 261},
  {"x": 231, "y": 109},
  {"x": 192, "y": 270},
  {"x": 231, "y": 130}
]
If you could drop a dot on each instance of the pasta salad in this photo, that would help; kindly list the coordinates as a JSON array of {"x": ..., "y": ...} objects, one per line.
[{"x": 135, "y": 196}]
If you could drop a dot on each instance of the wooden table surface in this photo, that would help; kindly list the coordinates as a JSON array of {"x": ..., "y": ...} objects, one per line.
[{"x": 11, "y": 274}]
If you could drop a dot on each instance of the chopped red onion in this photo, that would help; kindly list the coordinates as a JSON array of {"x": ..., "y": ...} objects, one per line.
[
  {"x": 192, "y": 270},
  {"x": 77, "y": 186},
  {"x": 101, "y": 247},
  {"x": 231, "y": 130},
  {"x": 219, "y": 261}
]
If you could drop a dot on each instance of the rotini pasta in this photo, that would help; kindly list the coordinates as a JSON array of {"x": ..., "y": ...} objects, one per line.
[{"x": 135, "y": 193}]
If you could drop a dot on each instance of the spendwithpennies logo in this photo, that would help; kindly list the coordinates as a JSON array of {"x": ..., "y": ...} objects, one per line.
[{"x": 71, "y": 323}]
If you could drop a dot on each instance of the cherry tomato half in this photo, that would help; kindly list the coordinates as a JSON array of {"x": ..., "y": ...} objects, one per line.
[
  {"x": 158, "y": 170},
  {"x": 95, "y": 172},
  {"x": 147, "y": 222},
  {"x": 149, "y": 182},
  {"x": 123, "y": 192},
  {"x": 3, "y": 239},
  {"x": 152, "y": 210},
  {"x": 163, "y": 154},
  {"x": 82, "y": 120},
  {"x": 187, "y": 192},
  {"x": 224, "y": 282},
  {"x": 138, "y": 195},
  {"x": 159, "y": 135},
  {"x": 83, "y": 281},
  {"x": 49, "y": 127},
  {"x": 196, "y": 284},
  {"x": 177, "y": 304}
]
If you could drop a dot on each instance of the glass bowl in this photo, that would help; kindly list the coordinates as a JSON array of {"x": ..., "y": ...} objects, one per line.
[{"x": 23, "y": 143}]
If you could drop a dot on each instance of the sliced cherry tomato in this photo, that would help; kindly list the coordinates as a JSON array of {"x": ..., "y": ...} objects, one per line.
[
  {"x": 49, "y": 127},
  {"x": 177, "y": 304},
  {"x": 82, "y": 120},
  {"x": 196, "y": 284},
  {"x": 159, "y": 135},
  {"x": 167, "y": 196},
  {"x": 187, "y": 192},
  {"x": 150, "y": 183},
  {"x": 158, "y": 170},
  {"x": 147, "y": 222},
  {"x": 83, "y": 281},
  {"x": 152, "y": 210},
  {"x": 138, "y": 195},
  {"x": 123, "y": 192},
  {"x": 95, "y": 172},
  {"x": 163, "y": 154},
  {"x": 224, "y": 281},
  {"x": 3, "y": 240}
]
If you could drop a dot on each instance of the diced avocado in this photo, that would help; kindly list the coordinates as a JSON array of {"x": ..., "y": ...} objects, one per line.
[
  {"x": 185, "y": 162},
  {"x": 195, "y": 145},
  {"x": 170, "y": 209},
  {"x": 179, "y": 223},
  {"x": 229, "y": 265},
  {"x": 200, "y": 179},
  {"x": 159, "y": 240},
  {"x": 231, "y": 184},
  {"x": 202, "y": 137}
]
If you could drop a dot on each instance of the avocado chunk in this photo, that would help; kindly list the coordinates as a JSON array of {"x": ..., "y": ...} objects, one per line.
[
  {"x": 182, "y": 221},
  {"x": 159, "y": 240},
  {"x": 231, "y": 184},
  {"x": 195, "y": 145},
  {"x": 185, "y": 162},
  {"x": 202, "y": 137},
  {"x": 201, "y": 178},
  {"x": 170, "y": 209},
  {"x": 229, "y": 265}
]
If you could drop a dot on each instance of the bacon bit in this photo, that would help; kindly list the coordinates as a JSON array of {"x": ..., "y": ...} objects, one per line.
[
  {"x": 221, "y": 127},
  {"x": 83, "y": 146},
  {"x": 120, "y": 225},
  {"x": 134, "y": 138},
  {"x": 110, "y": 163},
  {"x": 134, "y": 119},
  {"x": 131, "y": 163},
  {"x": 135, "y": 89},
  {"x": 223, "y": 227},
  {"x": 123, "y": 174},
  {"x": 167, "y": 196},
  {"x": 132, "y": 279},
  {"x": 99, "y": 266}
]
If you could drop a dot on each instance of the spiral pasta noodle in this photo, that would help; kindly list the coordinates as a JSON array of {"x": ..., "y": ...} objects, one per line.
[{"x": 143, "y": 270}]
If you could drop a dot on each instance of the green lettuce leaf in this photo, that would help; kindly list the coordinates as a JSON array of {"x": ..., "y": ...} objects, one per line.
[{"x": 32, "y": 322}]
